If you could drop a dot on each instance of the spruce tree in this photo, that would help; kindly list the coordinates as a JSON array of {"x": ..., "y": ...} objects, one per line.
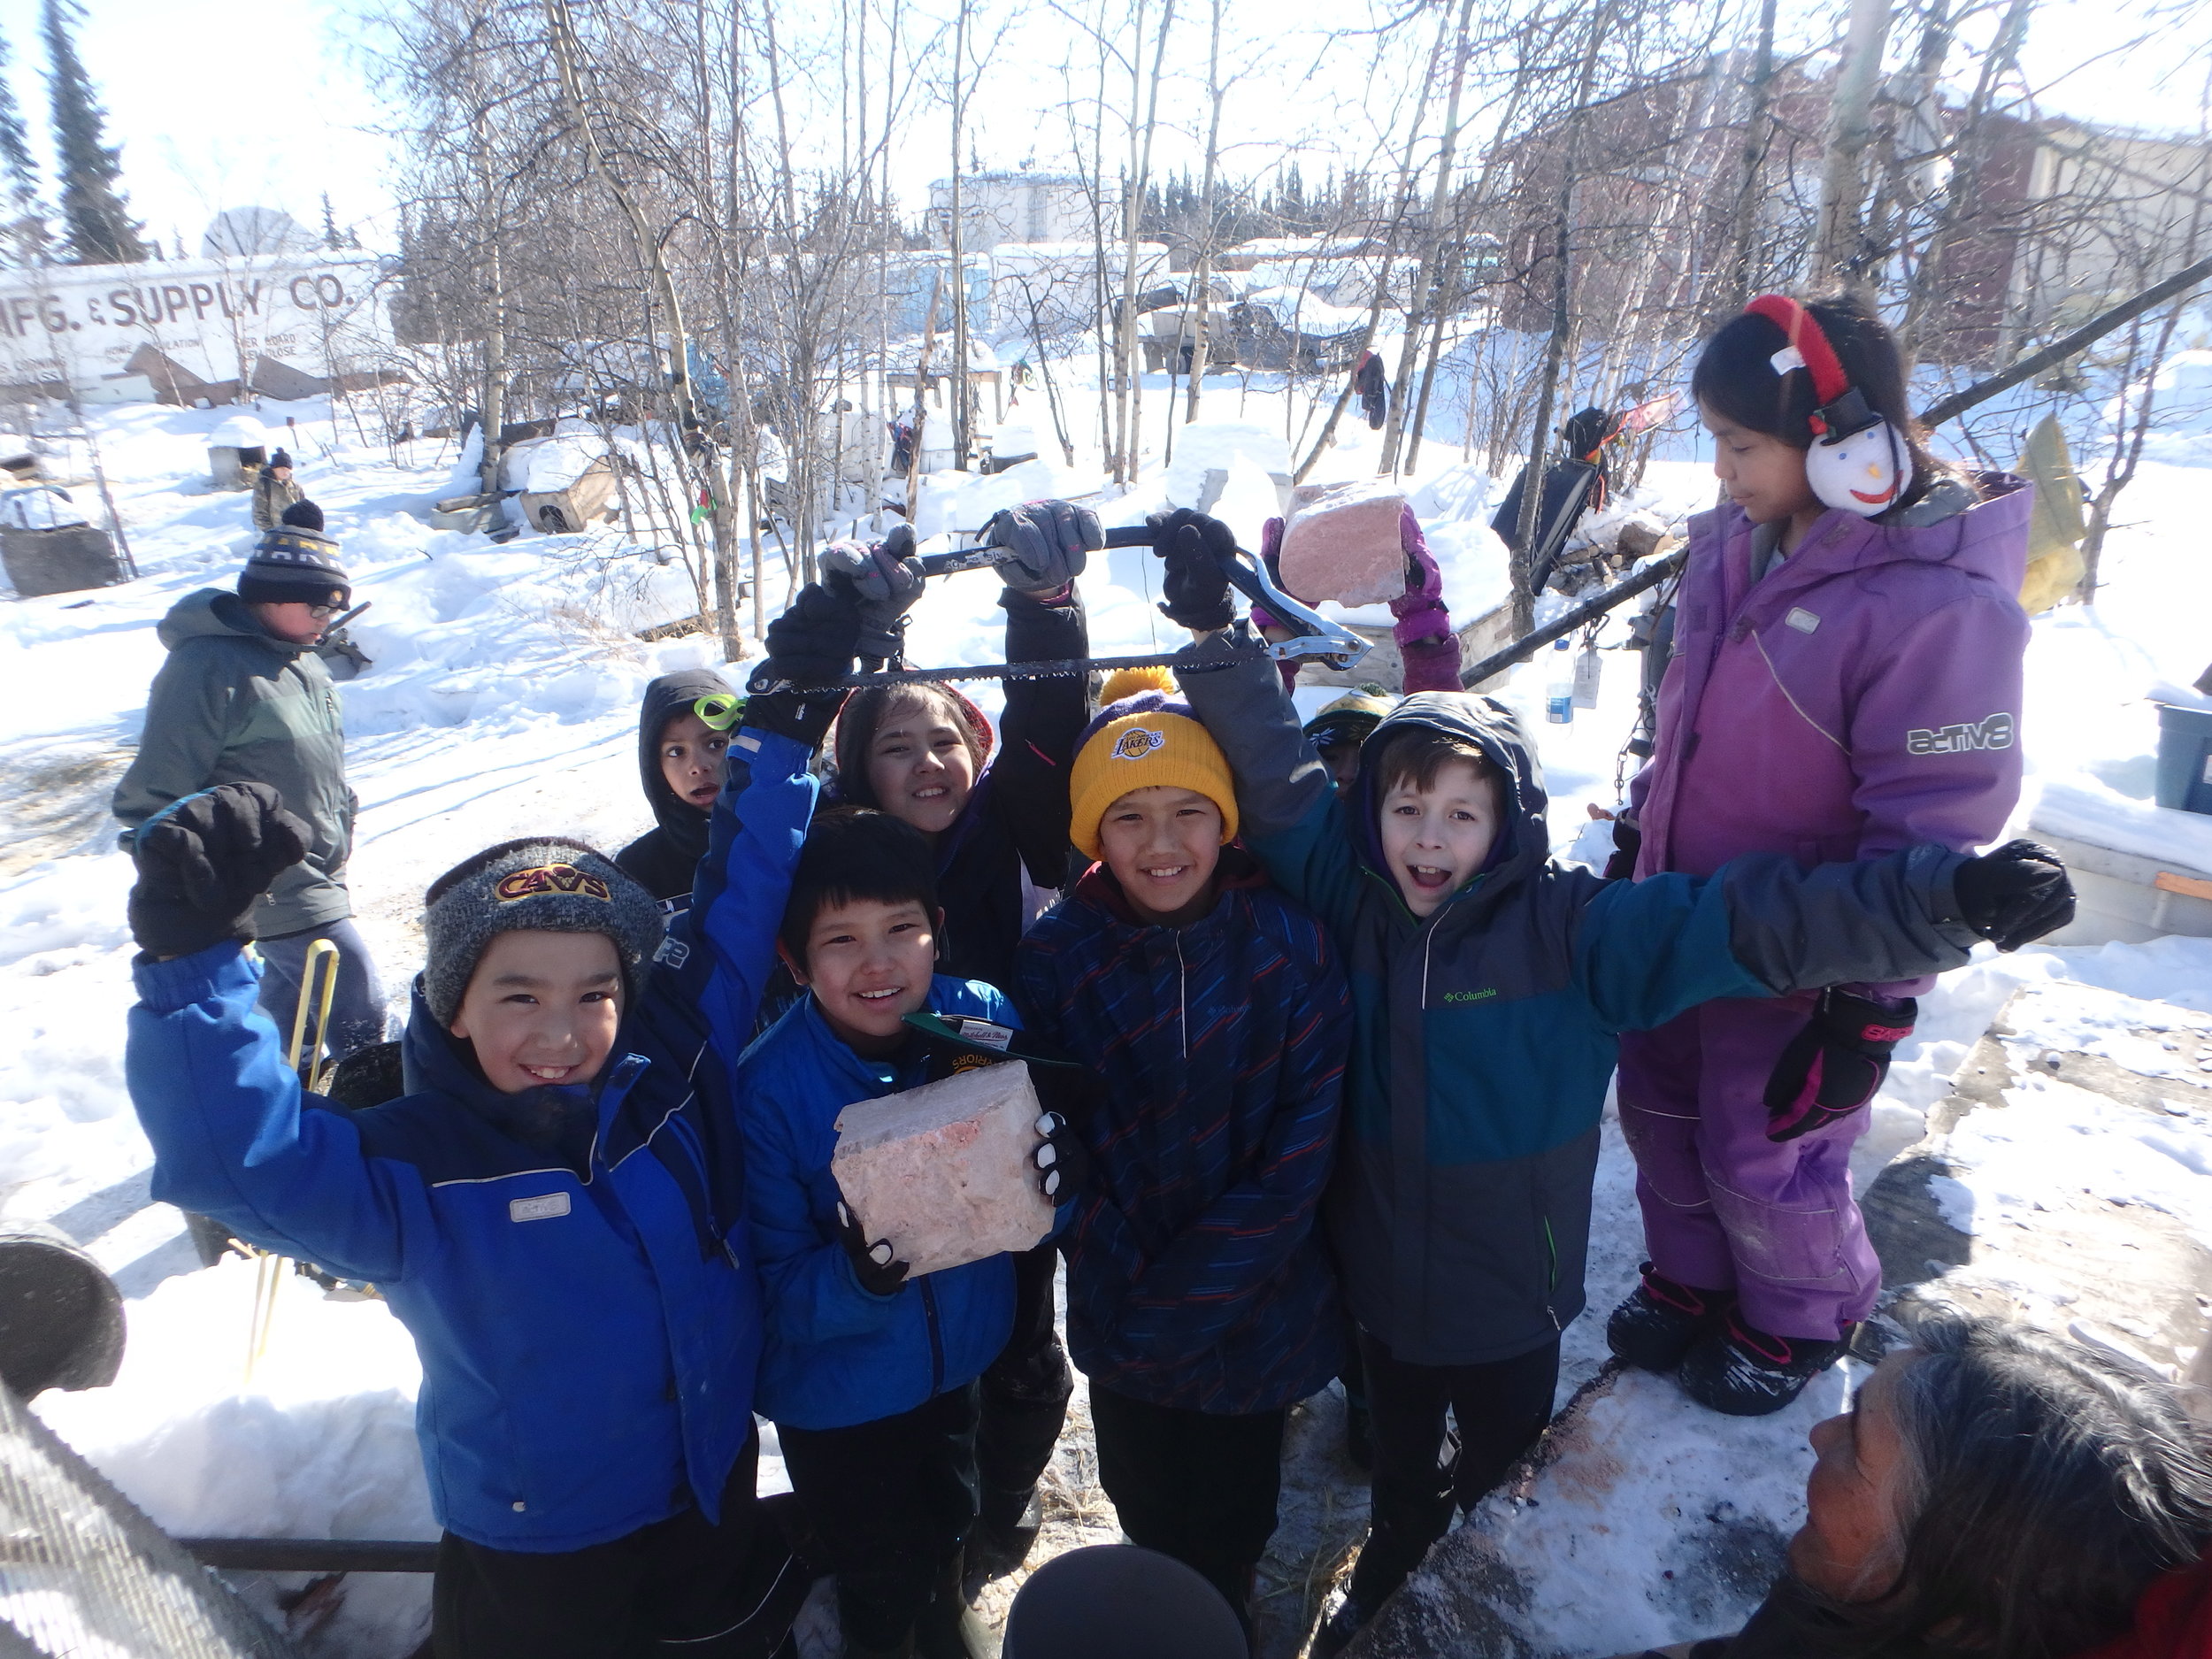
[
  {"x": 25, "y": 229},
  {"x": 94, "y": 212}
]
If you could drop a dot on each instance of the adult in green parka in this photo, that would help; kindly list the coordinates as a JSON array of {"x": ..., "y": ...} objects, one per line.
[{"x": 244, "y": 698}]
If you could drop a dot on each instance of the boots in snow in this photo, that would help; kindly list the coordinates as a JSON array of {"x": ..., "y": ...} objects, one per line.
[
  {"x": 1661, "y": 1320},
  {"x": 1743, "y": 1372},
  {"x": 1006, "y": 1529},
  {"x": 946, "y": 1627},
  {"x": 1359, "y": 1435},
  {"x": 1337, "y": 1631}
]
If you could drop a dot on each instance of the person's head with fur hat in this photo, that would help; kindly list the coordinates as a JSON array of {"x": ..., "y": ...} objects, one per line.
[
  {"x": 293, "y": 581},
  {"x": 1151, "y": 798},
  {"x": 534, "y": 948}
]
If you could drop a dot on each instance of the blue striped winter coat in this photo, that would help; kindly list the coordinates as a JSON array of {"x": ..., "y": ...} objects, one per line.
[{"x": 1196, "y": 1276}]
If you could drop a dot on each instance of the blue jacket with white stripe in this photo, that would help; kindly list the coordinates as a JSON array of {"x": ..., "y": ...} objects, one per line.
[{"x": 573, "y": 1264}]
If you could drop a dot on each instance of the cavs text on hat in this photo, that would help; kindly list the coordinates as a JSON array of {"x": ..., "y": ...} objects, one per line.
[{"x": 522, "y": 884}]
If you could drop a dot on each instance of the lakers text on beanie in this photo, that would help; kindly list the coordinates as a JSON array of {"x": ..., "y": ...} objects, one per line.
[
  {"x": 292, "y": 564},
  {"x": 547, "y": 883},
  {"x": 1138, "y": 743}
]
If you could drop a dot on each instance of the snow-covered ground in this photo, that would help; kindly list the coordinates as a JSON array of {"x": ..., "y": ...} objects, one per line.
[{"x": 502, "y": 699}]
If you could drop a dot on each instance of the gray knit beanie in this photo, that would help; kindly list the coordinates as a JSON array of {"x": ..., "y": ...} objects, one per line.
[{"x": 547, "y": 883}]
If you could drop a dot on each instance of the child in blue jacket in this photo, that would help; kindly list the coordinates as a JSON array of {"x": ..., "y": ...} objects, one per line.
[
  {"x": 869, "y": 1375},
  {"x": 1212, "y": 1014},
  {"x": 554, "y": 1209},
  {"x": 1491, "y": 986}
]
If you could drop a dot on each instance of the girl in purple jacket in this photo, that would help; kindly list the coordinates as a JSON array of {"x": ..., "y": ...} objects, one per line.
[{"x": 1846, "y": 681}]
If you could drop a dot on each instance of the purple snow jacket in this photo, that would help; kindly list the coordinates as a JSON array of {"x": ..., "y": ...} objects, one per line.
[{"x": 1864, "y": 694}]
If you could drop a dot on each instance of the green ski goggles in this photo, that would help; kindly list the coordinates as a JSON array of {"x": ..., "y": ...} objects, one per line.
[{"x": 719, "y": 710}]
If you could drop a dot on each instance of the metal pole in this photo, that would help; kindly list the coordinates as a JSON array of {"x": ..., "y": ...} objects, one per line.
[{"x": 1589, "y": 609}]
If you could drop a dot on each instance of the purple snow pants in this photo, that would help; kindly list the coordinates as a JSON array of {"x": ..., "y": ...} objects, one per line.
[{"x": 1724, "y": 1208}]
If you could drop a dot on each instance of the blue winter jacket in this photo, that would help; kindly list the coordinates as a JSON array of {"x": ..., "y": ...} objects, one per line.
[
  {"x": 1196, "y": 1276},
  {"x": 835, "y": 1355},
  {"x": 584, "y": 1304}
]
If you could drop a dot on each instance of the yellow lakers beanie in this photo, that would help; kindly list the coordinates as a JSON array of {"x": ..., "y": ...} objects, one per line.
[{"x": 1137, "y": 744}]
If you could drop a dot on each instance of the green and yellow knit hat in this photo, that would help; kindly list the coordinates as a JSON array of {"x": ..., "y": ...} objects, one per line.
[{"x": 1140, "y": 740}]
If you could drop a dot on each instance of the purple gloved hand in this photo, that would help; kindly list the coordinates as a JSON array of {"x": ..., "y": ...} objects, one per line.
[
  {"x": 1263, "y": 618},
  {"x": 1424, "y": 629},
  {"x": 1271, "y": 557}
]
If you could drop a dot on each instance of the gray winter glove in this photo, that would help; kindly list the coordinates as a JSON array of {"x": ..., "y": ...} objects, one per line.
[
  {"x": 886, "y": 579},
  {"x": 1051, "y": 541}
]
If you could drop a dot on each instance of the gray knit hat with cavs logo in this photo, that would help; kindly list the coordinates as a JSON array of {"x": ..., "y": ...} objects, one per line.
[{"x": 548, "y": 883}]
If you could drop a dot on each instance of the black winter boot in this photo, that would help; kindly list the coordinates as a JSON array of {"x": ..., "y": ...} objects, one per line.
[
  {"x": 1743, "y": 1372},
  {"x": 1006, "y": 1530},
  {"x": 1661, "y": 1320},
  {"x": 1359, "y": 1435},
  {"x": 946, "y": 1627},
  {"x": 1336, "y": 1633}
]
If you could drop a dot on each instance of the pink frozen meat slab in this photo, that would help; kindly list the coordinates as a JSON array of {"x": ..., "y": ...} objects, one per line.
[
  {"x": 945, "y": 1172},
  {"x": 1344, "y": 545}
]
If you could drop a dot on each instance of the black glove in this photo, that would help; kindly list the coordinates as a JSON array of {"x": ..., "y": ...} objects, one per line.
[
  {"x": 1628, "y": 841},
  {"x": 887, "y": 579},
  {"x": 1833, "y": 1067},
  {"x": 1064, "y": 1162},
  {"x": 1051, "y": 541},
  {"x": 2016, "y": 894},
  {"x": 872, "y": 1265},
  {"x": 203, "y": 863},
  {"x": 813, "y": 641},
  {"x": 1196, "y": 586}
]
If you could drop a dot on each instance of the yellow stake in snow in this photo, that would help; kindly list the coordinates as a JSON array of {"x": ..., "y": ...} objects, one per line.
[
  {"x": 319, "y": 983},
  {"x": 319, "y": 986}
]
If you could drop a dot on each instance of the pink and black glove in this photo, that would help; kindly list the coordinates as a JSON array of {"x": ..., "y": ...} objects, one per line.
[
  {"x": 1834, "y": 1067},
  {"x": 1423, "y": 630}
]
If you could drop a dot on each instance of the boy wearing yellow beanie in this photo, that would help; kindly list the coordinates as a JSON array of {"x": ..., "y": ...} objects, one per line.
[{"x": 1215, "y": 1022}]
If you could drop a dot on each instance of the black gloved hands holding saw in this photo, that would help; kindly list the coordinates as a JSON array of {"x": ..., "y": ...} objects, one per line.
[
  {"x": 1196, "y": 589},
  {"x": 814, "y": 642}
]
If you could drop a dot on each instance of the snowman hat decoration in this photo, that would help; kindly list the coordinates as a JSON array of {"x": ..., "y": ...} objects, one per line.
[{"x": 1858, "y": 463}]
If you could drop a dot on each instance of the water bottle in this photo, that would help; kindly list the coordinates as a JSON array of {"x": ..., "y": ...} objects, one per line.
[{"x": 1559, "y": 690}]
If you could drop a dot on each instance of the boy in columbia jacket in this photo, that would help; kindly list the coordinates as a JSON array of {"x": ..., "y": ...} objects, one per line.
[
  {"x": 553, "y": 1209},
  {"x": 869, "y": 1376},
  {"x": 1213, "y": 1016},
  {"x": 1491, "y": 985}
]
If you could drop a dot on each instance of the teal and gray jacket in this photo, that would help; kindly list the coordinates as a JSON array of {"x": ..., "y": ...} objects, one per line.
[
  {"x": 1484, "y": 1037},
  {"x": 235, "y": 705}
]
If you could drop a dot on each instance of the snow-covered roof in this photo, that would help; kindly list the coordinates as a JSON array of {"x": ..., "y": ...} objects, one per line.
[{"x": 239, "y": 432}]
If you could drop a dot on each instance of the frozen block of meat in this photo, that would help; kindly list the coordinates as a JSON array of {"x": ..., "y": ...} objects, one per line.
[
  {"x": 945, "y": 1172},
  {"x": 1344, "y": 545}
]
